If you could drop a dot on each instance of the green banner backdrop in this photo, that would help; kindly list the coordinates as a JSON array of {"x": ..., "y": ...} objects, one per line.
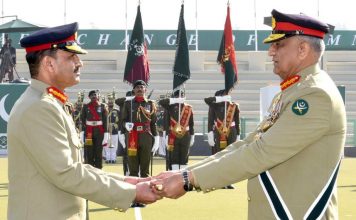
[
  {"x": 207, "y": 39},
  {"x": 9, "y": 93}
]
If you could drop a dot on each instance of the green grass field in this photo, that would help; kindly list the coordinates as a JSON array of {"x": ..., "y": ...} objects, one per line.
[{"x": 220, "y": 204}]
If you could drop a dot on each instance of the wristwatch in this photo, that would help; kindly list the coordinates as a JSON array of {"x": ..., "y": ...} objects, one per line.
[{"x": 187, "y": 185}]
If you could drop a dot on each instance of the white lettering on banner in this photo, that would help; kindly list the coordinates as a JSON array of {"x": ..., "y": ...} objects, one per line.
[
  {"x": 148, "y": 39},
  {"x": 193, "y": 39},
  {"x": 103, "y": 39},
  {"x": 171, "y": 39},
  {"x": 123, "y": 40},
  {"x": 79, "y": 38},
  {"x": 353, "y": 42},
  {"x": 251, "y": 40},
  {"x": 332, "y": 41}
]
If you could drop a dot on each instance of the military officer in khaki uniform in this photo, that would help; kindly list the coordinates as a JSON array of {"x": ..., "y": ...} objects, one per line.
[
  {"x": 139, "y": 122},
  {"x": 292, "y": 159},
  {"x": 47, "y": 179},
  {"x": 223, "y": 121},
  {"x": 179, "y": 125}
]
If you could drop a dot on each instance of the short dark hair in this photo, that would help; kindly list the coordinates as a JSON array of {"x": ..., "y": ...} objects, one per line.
[
  {"x": 34, "y": 59},
  {"x": 93, "y": 92}
]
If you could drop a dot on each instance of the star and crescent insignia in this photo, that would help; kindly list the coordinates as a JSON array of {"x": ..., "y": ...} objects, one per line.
[{"x": 300, "y": 107}]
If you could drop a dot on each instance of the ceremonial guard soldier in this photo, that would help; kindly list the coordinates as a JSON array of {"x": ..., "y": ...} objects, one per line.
[
  {"x": 113, "y": 129},
  {"x": 179, "y": 126},
  {"x": 139, "y": 122},
  {"x": 122, "y": 138},
  {"x": 8, "y": 60},
  {"x": 223, "y": 121},
  {"x": 78, "y": 106},
  {"x": 94, "y": 121}
]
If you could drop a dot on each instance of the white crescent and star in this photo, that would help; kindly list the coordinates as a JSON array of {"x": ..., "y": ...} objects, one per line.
[{"x": 3, "y": 114}]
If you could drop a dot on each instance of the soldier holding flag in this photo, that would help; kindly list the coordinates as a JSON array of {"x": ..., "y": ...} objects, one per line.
[
  {"x": 179, "y": 125},
  {"x": 223, "y": 121}
]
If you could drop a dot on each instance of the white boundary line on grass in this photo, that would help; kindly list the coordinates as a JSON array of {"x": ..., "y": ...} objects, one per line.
[{"x": 138, "y": 215}]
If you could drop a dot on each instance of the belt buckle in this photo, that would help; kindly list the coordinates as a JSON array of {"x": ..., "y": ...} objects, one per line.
[
  {"x": 94, "y": 123},
  {"x": 139, "y": 128}
]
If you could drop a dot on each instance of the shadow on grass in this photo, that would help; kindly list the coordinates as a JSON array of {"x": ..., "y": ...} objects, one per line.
[
  {"x": 100, "y": 209},
  {"x": 4, "y": 186},
  {"x": 347, "y": 186}
]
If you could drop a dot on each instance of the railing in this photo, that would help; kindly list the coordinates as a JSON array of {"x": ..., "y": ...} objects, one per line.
[{"x": 248, "y": 124}]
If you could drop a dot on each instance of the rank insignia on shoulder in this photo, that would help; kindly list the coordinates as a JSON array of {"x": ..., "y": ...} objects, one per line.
[
  {"x": 300, "y": 107},
  {"x": 58, "y": 94}
]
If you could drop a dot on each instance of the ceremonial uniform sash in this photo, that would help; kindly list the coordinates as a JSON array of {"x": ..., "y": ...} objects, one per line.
[
  {"x": 139, "y": 127},
  {"x": 224, "y": 129},
  {"x": 89, "y": 128},
  {"x": 280, "y": 209},
  {"x": 178, "y": 130}
]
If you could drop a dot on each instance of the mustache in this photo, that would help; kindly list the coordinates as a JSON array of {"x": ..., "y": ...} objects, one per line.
[{"x": 76, "y": 69}]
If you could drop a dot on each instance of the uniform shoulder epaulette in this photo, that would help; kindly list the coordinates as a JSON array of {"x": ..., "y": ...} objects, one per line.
[{"x": 58, "y": 94}]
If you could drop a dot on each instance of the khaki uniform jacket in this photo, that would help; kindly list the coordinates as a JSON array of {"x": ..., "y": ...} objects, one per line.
[
  {"x": 47, "y": 179},
  {"x": 297, "y": 157}
]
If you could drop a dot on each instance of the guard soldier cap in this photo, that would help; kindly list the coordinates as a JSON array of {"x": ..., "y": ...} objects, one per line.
[
  {"x": 220, "y": 92},
  {"x": 92, "y": 92},
  {"x": 139, "y": 83},
  {"x": 176, "y": 93},
  {"x": 61, "y": 37},
  {"x": 288, "y": 25}
]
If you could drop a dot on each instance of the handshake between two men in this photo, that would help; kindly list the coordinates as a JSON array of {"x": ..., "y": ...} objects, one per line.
[{"x": 169, "y": 184}]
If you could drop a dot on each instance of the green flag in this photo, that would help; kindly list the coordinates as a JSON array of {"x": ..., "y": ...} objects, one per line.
[{"x": 181, "y": 70}]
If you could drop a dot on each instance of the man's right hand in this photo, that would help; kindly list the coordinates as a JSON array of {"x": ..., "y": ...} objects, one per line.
[
  {"x": 225, "y": 98},
  {"x": 129, "y": 98},
  {"x": 122, "y": 140},
  {"x": 211, "y": 139},
  {"x": 144, "y": 193}
]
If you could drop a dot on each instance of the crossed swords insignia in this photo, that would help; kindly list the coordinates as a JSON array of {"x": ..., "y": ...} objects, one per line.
[{"x": 300, "y": 106}]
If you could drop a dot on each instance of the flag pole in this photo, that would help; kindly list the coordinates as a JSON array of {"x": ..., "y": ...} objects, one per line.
[
  {"x": 255, "y": 13},
  {"x": 196, "y": 26},
  {"x": 126, "y": 38}
]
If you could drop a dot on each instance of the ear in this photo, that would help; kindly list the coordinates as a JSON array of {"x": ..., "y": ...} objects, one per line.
[
  {"x": 48, "y": 64},
  {"x": 304, "y": 49}
]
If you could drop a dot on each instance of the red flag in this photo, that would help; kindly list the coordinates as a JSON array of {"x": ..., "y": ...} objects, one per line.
[
  {"x": 136, "y": 67},
  {"x": 226, "y": 57}
]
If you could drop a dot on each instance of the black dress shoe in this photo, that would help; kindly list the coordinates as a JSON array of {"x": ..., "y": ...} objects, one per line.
[
  {"x": 138, "y": 205},
  {"x": 230, "y": 187}
]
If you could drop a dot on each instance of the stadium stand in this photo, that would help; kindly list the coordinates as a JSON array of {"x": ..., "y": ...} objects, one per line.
[{"x": 103, "y": 69}]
